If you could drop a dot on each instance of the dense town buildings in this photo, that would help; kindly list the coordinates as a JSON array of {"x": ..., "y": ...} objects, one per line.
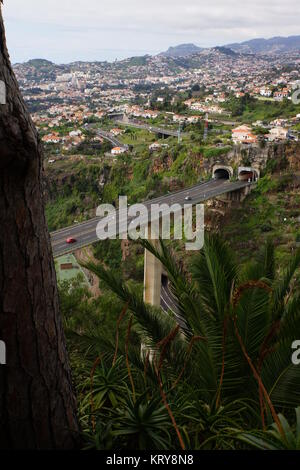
[{"x": 140, "y": 87}]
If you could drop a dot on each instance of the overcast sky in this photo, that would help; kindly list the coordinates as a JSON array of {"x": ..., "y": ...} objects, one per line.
[{"x": 68, "y": 30}]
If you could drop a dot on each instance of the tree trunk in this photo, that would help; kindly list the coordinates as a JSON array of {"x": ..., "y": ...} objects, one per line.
[{"x": 37, "y": 404}]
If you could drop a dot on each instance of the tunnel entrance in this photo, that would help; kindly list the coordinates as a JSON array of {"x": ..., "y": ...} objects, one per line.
[
  {"x": 246, "y": 176},
  {"x": 221, "y": 174},
  {"x": 249, "y": 174}
]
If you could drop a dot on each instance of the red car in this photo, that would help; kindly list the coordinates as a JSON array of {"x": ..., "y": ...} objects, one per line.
[{"x": 71, "y": 240}]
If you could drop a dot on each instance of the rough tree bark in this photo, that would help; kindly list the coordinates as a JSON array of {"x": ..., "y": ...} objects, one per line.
[{"x": 37, "y": 404}]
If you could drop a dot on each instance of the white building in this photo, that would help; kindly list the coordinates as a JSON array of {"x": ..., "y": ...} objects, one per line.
[
  {"x": 76, "y": 133},
  {"x": 265, "y": 92},
  {"x": 118, "y": 150},
  {"x": 277, "y": 133},
  {"x": 157, "y": 146},
  {"x": 243, "y": 135},
  {"x": 179, "y": 118}
]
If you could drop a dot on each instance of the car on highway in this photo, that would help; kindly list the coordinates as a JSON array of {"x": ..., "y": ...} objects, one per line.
[
  {"x": 71, "y": 240},
  {"x": 188, "y": 198}
]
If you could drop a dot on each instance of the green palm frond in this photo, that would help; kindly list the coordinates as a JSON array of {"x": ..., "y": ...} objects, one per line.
[
  {"x": 253, "y": 319},
  {"x": 262, "y": 267},
  {"x": 151, "y": 324},
  {"x": 281, "y": 377},
  {"x": 282, "y": 287},
  {"x": 212, "y": 362},
  {"x": 266, "y": 260},
  {"x": 272, "y": 439},
  {"x": 289, "y": 328},
  {"x": 215, "y": 272}
]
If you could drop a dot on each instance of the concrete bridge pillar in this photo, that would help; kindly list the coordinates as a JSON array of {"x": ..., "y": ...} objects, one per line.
[
  {"x": 152, "y": 274},
  {"x": 238, "y": 195}
]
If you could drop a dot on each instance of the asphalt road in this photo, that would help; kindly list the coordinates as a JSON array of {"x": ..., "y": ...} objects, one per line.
[
  {"x": 156, "y": 130},
  {"x": 85, "y": 232},
  {"x": 108, "y": 136}
]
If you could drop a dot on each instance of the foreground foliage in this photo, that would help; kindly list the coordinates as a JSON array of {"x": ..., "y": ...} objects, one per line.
[
  {"x": 205, "y": 377},
  {"x": 273, "y": 439}
]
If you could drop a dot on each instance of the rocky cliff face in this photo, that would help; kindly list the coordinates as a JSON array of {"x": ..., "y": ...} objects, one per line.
[
  {"x": 162, "y": 163},
  {"x": 282, "y": 162},
  {"x": 292, "y": 153},
  {"x": 104, "y": 176},
  {"x": 256, "y": 157},
  {"x": 62, "y": 179}
]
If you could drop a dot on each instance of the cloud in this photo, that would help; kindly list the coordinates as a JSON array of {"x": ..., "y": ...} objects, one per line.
[{"x": 62, "y": 28}]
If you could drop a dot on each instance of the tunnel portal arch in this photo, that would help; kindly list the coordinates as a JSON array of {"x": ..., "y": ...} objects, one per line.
[
  {"x": 222, "y": 172},
  {"x": 248, "y": 173}
]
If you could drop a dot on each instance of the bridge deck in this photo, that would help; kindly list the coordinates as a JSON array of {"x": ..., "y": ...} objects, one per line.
[
  {"x": 155, "y": 130},
  {"x": 108, "y": 136},
  {"x": 85, "y": 232}
]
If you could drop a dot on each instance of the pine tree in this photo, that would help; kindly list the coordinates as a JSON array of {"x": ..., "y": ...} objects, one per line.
[{"x": 37, "y": 404}]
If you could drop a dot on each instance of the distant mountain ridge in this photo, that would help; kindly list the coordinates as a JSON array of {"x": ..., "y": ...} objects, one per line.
[
  {"x": 225, "y": 50},
  {"x": 39, "y": 63},
  {"x": 274, "y": 45},
  {"x": 182, "y": 50}
]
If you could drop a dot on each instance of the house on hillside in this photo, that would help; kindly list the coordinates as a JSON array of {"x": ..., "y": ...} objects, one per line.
[
  {"x": 75, "y": 133},
  {"x": 116, "y": 131},
  {"x": 243, "y": 135},
  {"x": 53, "y": 138},
  {"x": 279, "y": 95},
  {"x": 179, "y": 118},
  {"x": 277, "y": 133},
  {"x": 118, "y": 150},
  {"x": 266, "y": 92},
  {"x": 157, "y": 146},
  {"x": 193, "y": 119}
]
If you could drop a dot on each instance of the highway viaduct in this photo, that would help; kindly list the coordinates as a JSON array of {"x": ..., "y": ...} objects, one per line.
[
  {"x": 156, "y": 292},
  {"x": 160, "y": 131}
]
